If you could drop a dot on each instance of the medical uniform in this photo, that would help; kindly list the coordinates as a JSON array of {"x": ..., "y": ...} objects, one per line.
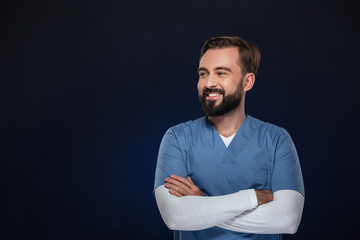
[{"x": 260, "y": 156}]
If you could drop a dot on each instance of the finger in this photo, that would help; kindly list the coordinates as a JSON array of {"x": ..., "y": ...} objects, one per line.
[
  {"x": 189, "y": 178},
  {"x": 193, "y": 187},
  {"x": 179, "y": 189},
  {"x": 178, "y": 178},
  {"x": 179, "y": 181},
  {"x": 174, "y": 181},
  {"x": 182, "y": 180},
  {"x": 175, "y": 193}
]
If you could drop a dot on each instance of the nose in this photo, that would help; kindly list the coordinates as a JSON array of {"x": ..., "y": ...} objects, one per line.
[{"x": 210, "y": 81}]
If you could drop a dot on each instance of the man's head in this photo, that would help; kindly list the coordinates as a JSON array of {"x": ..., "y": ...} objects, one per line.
[
  {"x": 227, "y": 69},
  {"x": 249, "y": 54}
]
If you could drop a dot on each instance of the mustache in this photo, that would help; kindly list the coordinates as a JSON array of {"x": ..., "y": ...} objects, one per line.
[{"x": 211, "y": 90}]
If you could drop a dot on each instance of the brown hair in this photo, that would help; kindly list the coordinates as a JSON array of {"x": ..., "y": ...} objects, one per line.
[{"x": 249, "y": 53}]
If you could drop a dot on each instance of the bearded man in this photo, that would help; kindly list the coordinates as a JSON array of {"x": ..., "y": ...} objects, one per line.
[{"x": 228, "y": 175}]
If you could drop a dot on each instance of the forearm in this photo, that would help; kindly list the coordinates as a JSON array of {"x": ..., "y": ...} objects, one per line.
[
  {"x": 282, "y": 215},
  {"x": 196, "y": 213}
]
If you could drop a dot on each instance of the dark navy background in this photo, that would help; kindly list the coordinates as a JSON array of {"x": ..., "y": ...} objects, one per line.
[{"x": 88, "y": 88}]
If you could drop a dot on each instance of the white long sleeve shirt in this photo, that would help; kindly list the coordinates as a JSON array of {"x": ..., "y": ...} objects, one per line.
[{"x": 236, "y": 212}]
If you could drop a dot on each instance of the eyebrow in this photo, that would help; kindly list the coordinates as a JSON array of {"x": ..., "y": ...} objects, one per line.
[
  {"x": 202, "y": 69},
  {"x": 217, "y": 68},
  {"x": 223, "y": 68}
]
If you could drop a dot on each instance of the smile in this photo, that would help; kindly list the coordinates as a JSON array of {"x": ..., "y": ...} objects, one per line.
[{"x": 213, "y": 96}]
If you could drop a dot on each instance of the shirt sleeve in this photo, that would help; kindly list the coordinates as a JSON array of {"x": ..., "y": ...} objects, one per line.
[
  {"x": 282, "y": 215},
  {"x": 286, "y": 172},
  {"x": 170, "y": 159},
  {"x": 196, "y": 212}
]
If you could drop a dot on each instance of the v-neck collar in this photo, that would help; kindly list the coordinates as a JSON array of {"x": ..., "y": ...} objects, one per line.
[
  {"x": 242, "y": 136},
  {"x": 227, "y": 140}
]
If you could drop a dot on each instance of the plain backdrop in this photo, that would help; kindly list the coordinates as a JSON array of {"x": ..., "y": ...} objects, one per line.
[{"x": 88, "y": 88}]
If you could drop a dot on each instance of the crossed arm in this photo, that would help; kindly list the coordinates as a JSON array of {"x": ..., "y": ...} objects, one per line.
[{"x": 184, "y": 207}]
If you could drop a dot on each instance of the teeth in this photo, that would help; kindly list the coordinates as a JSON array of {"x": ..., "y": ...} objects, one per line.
[{"x": 214, "y": 94}]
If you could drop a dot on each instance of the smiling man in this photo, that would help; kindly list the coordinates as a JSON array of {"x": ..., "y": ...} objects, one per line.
[{"x": 228, "y": 175}]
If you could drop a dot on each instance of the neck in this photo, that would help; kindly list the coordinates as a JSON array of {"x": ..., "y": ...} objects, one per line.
[{"x": 229, "y": 123}]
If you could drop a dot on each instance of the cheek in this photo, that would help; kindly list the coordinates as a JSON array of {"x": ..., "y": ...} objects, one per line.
[
  {"x": 229, "y": 87},
  {"x": 200, "y": 86}
]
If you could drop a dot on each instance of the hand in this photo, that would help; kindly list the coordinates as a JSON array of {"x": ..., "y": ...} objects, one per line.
[
  {"x": 180, "y": 186},
  {"x": 264, "y": 196}
]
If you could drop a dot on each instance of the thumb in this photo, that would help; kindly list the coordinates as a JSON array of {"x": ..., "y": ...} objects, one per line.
[{"x": 189, "y": 178}]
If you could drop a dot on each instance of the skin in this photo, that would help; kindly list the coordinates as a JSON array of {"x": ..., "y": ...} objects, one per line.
[
  {"x": 220, "y": 69},
  {"x": 180, "y": 186}
]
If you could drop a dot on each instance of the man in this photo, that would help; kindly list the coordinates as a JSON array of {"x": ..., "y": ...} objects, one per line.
[{"x": 228, "y": 175}]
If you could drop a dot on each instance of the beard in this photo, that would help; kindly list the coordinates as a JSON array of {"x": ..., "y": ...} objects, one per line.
[{"x": 228, "y": 103}]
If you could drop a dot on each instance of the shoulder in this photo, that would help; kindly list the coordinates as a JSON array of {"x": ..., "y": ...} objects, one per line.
[
  {"x": 268, "y": 130},
  {"x": 187, "y": 132},
  {"x": 191, "y": 127},
  {"x": 179, "y": 136}
]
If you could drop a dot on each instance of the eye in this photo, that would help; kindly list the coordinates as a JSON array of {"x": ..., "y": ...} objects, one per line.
[
  {"x": 202, "y": 74},
  {"x": 221, "y": 73}
]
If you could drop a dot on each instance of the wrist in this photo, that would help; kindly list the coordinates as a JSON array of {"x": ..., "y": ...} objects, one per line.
[{"x": 253, "y": 198}]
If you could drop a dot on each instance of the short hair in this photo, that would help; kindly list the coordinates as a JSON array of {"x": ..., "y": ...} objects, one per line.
[{"x": 249, "y": 53}]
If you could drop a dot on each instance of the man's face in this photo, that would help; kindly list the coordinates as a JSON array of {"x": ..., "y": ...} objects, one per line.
[{"x": 220, "y": 81}]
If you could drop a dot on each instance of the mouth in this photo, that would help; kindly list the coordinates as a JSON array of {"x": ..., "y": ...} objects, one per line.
[{"x": 213, "y": 96}]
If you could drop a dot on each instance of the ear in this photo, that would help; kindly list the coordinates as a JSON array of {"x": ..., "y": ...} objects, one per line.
[{"x": 248, "y": 82}]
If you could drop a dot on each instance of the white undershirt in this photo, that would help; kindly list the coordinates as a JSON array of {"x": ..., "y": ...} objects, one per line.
[
  {"x": 191, "y": 213},
  {"x": 227, "y": 140},
  {"x": 235, "y": 212}
]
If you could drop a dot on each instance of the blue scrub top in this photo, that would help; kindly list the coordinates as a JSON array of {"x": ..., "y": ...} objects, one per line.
[{"x": 261, "y": 156}]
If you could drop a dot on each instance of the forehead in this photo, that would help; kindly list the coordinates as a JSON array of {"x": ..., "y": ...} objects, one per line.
[{"x": 226, "y": 57}]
